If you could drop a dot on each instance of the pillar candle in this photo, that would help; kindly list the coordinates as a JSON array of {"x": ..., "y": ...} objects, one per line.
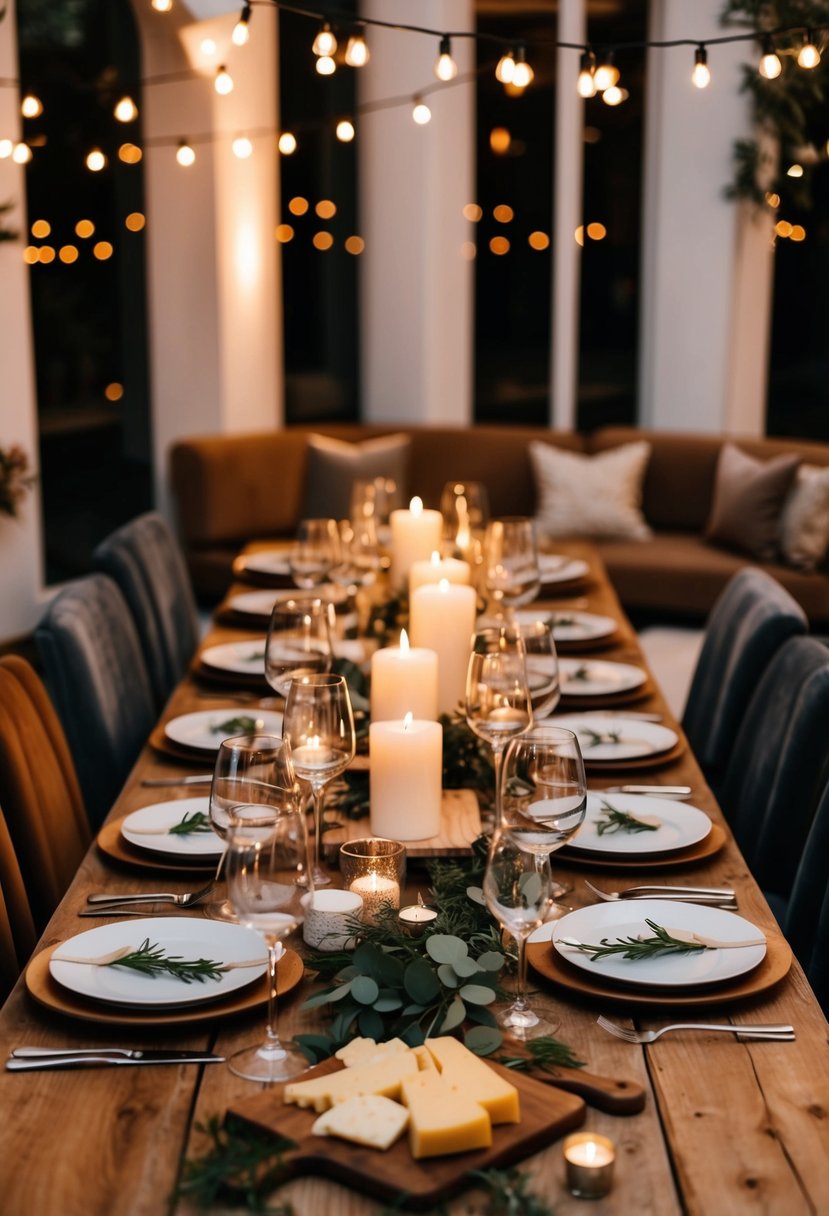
[
  {"x": 415, "y": 534},
  {"x": 450, "y": 568},
  {"x": 405, "y": 779},
  {"x": 404, "y": 680},
  {"x": 442, "y": 618}
]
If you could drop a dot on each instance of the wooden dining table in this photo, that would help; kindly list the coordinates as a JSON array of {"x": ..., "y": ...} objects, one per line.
[{"x": 727, "y": 1126}]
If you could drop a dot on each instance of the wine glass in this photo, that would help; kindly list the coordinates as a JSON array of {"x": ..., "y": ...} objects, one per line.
[
  {"x": 298, "y": 641},
  {"x": 314, "y": 551},
  {"x": 265, "y": 857},
  {"x": 498, "y": 704},
  {"x": 359, "y": 561},
  {"x": 542, "y": 666},
  {"x": 250, "y": 770},
  {"x": 518, "y": 893},
  {"x": 319, "y": 723},
  {"x": 464, "y": 506},
  {"x": 511, "y": 571}
]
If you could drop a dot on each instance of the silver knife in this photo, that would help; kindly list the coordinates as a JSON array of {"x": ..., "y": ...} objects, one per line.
[
  {"x": 192, "y": 780},
  {"x": 28, "y": 1059},
  {"x": 662, "y": 791}
]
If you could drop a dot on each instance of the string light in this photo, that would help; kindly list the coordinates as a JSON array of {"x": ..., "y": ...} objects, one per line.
[
  {"x": 241, "y": 30},
  {"x": 701, "y": 74},
  {"x": 162, "y": 6},
  {"x": 326, "y": 65},
  {"x": 95, "y": 160},
  {"x": 31, "y": 106},
  {"x": 614, "y": 96},
  {"x": 325, "y": 44},
  {"x": 505, "y": 69},
  {"x": 242, "y": 147},
  {"x": 126, "y": 110},
  {"x": 522, "y": 73},
  {"x": 770, "y": 65},
  {"x": 286, "y": 143},
  {"x": 6, "y": 148},
  {"x": 223, "y": 84},
  {"x": 185, "y": 155},
  {"x": 586, "y": 83},
  {"x": 445, "y": 66},
  {"x": 808, "y": 56},
  {"x": 606, "y": 74},
  {"x": 357, "y": 53},
  {"x": 345, "y": 131},
  {"x": 421, "y": 112}
]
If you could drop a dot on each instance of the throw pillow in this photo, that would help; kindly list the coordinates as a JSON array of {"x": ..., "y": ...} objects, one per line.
[
  {"x": 748, "y": 499},
  {"x": 334, "y": 466},
  {"x": 804, "y": 525},
  {"x": 597, "y": 496}
]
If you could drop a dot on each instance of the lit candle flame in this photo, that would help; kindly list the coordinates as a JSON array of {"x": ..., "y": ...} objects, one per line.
[
  {"x": 435, "y": 558},
  {"x": 444, "y": 585},
  {"x": 404, "y": 641},
  {"x": 416, "y": 506},
  {"x": 407, "y": 721}
]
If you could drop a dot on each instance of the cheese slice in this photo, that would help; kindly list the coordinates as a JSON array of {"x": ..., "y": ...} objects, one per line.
[
  {"x": 443, "y": 1120},
  {"x": 383, "y": 1078},
  {"x": 463, "y": 1070},
  {"x": 368, "y": 1119},
  {"x": 366, "y": 1051},
  {"x": 425, "y": 1060}
]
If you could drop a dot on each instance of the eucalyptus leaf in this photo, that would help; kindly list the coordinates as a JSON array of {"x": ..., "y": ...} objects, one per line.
[
  {"x": 388, "y": 1002},
  {"x": 476, "y": 894},
  {"x": 388, "y": 970},
  {"x": 371, "y": 1024},
  {"x": 341, "y": 1026},
  {"x": 414, "y": 1010},
  {"x": 413, "y": 1035},
  {"x": 455, "y": 1014},
  {"x": 346, "y": 974},
  {"x": 318, "y": 999},
  {"x": 476, "y": 994},
  {"x": 314, "y": 1047},
  {"x": 365, "y": 990},
  {"x": 483, "y": 1040},
  {"x": 481, "y": 1015},
  {"x": 338, "y": 994},
  {"x": 466, "y": 967},
  {"x": 447, "y": 975},
  {"x": 445, "y": 948},
  {"x": 491, "y": 960},
  {"x": 421, "y": 982},
  {"x": 368, "y": 959}
]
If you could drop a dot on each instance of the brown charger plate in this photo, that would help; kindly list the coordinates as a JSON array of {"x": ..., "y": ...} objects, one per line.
[
  {"x": 653, "y": 761},
  {"x": 47, "y": 992},
  {"x": 261, "y": 578},
  {"x": 700, "y": 851},
  {"x": 230, "y": 679},
  {"x": 160, "y": 742},
  {"x": 546, "y": 962},
  {"x": 606, "y": 701},
  {"x": 576, "y": 645},
  {"x": 110, "y": 841}
]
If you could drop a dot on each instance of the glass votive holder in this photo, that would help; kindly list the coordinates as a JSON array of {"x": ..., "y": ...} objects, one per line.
[
  {"x": 374, "y": 869},
  {"x": 589, "y": 1159},
  {"x": 415, "y": 918},
  {"x": 329, "y": 919}
]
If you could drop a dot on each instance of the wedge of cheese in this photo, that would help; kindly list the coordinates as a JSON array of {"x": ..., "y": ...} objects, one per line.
[
  {"x": 383, "y": 1078},
  {"x": 442, "y": 1119},
  {"x": 366, "y": 1051},
  {"x": 469, "y": 1074},
  {"x": 425, "y": 1060},
  {"x": 368, "y": 1119}
]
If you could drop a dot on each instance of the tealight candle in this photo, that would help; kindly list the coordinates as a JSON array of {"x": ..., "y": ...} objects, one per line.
[
  {"x": 375, "y": 892},
  {"x": 442, "y": 618},
  {"x": 589, "y": 1160},
  {"x": 406, "y": 778},
  {"x": 404, "y": 679},
  {"x": 415, "y": 534},
  {"x": 437, "y": 567},
  {"x": 415, "y": 917}
]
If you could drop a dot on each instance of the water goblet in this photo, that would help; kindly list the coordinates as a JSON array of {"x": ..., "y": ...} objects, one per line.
[
  {"x": 464, "y": 506},
  {"x": 319, "y": 723},
  {"x": 298, "y": 641},
  {"x": 498, "y": 704},
  {"x": 314, "y": 551},
  {"x": 517, "y": 891},
  {"x": 264, "y": 866},
  {"x": 359, "y": 558},
  {"x": 511, "y": 571},
  {"x": 542, "y": 666}
]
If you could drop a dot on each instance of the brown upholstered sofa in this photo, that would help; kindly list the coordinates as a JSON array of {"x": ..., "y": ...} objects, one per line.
[{"x": 230, "y": 489}]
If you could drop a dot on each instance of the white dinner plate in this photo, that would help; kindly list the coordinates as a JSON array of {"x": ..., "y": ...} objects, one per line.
[
  {"x": 201, "y": 729},
  {"x": 610, "y": 738},
  {"x": 246, "y": 658},
  {"x": 627, "y": 918},
  {"x": 596, "y": 678},
  {"x": 149, "y": 829},
  {"x": 189, "y": 937},
  {"x": 680, "y": 826},
  {"x": 556, "y": 568},
  {"x": 260, "y": 603},
  {"x": 267, "y": 562},
  {"x": 581, "y": 626}
]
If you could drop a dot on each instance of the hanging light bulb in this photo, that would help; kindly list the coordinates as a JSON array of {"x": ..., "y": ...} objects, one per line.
[
  {"x": 162, "y": 6},
  {"x": 325, "y": 43},
  {"x": 421, "y": 112},
  {"x": 223, "y": 84},
  {"x": 606, "y": 74},
  {"x": 31, "y": 106},
  {"x": 613, "y": 95},
  {"x": 445, "y": 66},
  {"x": 95, "y": 160},
  {"x": 522, "y": 73},
  {"x": 505, "y": 70},
  {"x": 586, "y": 83},
  {"x": 21, "y": 154},
  {"x": 345, "y": 131},
  {"x": 287, "y": 143},
  {"x": 241, "y": 30},
  {"x": 357, "y": 53},
  {"x": 770, "y": 65},
  {"x": 242, "y": 147},
  {"x": 326, "y": 65},
  {"x": 126, "y": 110},
  {"x": 701, "y": 74},
  {"x": 808, "y": 56},
  {"x": 185, "y": 154}
]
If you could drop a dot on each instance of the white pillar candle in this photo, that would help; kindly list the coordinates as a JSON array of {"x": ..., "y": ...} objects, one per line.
[
  {"x": 375, "y": 891},
  {"x": 405, "y": 779},
  {"x": 404, "y": 680},
  {"x": 415, "y": 534},
  {"x": 442, "y": 618},
  {"x": 437, "y": 567}
]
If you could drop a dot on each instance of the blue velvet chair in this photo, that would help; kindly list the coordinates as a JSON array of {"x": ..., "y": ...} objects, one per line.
[
  {"x": 780, "y": 764},
  {"x": 748, "y": 624},
  {"x": 98, "y": 680},
  {"x": 144, "y": 559}
]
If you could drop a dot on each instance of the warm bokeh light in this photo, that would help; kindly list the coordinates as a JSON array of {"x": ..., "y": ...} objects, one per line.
[
  {"x": 808, "y": 56},
  {"x": 298, "y": 205},
  {"x": 286, "y": 143},
  {"x": 606, "y": 76},
  {"x": 135, "y": 221},
  {"x": 208, "y": 47},
  {"x": 503, "y": 214},
  {"x": 242, "y": 147},
  {"x": 592, "y": 135},
  {"x": 773, "y": 199},
  {"x": 354, "y": 244},
  {"x": 126, "y": 110},
  {"x": 31, "y": 106},
  {"x": 223, "y": 84},
  {"x": 323, "y": 240},
  {"x": 47, "y": 253},
  {"x": 345, "y": 131},
  {"x": 798, "y": 232},
  {"x": 522, "y": 75},
  {"x": 130, "y": 154},
  {"x": 505, "y": 68},
  {"x": 421, "y": 113},
  {"x": 783, "y": 228},
  {"x": 95, "y": 160},
  {"x": 162, "y": 6},
  {"x": 84, "y": 228},
  {"x": 102, "y": 250},
  {"x": 472, "y": 212},
  {"x": 21, "y": 154},
  {"x": 326, "y": 66},
  {"x": 31, "y": 254},
  {"x": 284, "y": 233},
  {"x": 596, "y": 232},
  {"x": 6, "y": 148},
  {"x": 794, "y": 170},
  {"x": 185, "y": 155},
  {"x": 445, "y": 66},
  {"x": 579, "y": 235},
  {"x": 241, "y": 30},
  {"x": 469, "y": 251},
  {"x": 538, "y": 240},
  {"x": 499, "y": 245},
  {"x": 68, "y": 254},
  {"x": 325, "y": 209},
  {"x": 41, "y": 229},
  {"x": 500, "y": 140},
  {"x": 325, "y": 42},
  {"x": 357, "y": 53},
  {"x": 614, "y": 96},
  {"x": 114, "y": 391}
]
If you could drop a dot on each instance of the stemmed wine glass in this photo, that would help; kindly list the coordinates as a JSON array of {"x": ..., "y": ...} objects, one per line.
[
  {"x": 264, "y": 866},
  {"x": 518, "y": 893},
  {"x": 359, "y": 560},
  {"x": 250, "y": 770},
  {"x": 298, "y": 642},
  {"x": 314, "y": 551},
  {"x": 464, "y": 506},
  {"x": 542, "y": 666},
  {"x": 511, "y": 570},
  {"x": 319, "y": 723},
  {"x": 498, "y": 704}
]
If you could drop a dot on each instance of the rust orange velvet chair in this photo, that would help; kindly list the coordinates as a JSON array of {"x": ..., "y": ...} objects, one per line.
[{"x": 17, "y": 930}]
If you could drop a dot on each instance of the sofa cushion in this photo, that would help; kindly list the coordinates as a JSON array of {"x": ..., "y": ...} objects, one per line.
[
  {"x": 590, "y": 495},
  {"x": 748, "y": 501},
  {"x": 804, "y": 526},
  {"x": 333, "y": 466}
]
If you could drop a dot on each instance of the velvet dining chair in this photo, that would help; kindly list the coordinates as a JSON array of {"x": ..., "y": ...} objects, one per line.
[
  {"x": 748, "y": 624},
  {"x": 96, "y": 675},
  {"x": 145, "y": 560},
  {"x": 17, "y": 928},
  {"x": 780, "y": 764},
  {"x": 41, "y": 801}
]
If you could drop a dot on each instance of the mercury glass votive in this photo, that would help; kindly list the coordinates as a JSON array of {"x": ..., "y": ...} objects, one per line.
[
  {"x": 374, "y": 869},
  {"x": 589, "y": 1159}
]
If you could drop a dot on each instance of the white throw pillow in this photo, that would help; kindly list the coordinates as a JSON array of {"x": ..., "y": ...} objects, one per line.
[
  {"x": 595, "y": 496},
  {"x": 804, "y": 524}
]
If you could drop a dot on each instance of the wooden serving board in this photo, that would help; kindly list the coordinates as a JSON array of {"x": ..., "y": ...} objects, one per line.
[
  {"x": 460, "y": 826},
  {"x": 546, "y": 1113}
]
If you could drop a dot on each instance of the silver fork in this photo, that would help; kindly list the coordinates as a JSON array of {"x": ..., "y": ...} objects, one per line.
[
  {"x": 714, "y": 896},
  {"x": 771, "y": 1032},
  {"x": 185, "y": 899}
]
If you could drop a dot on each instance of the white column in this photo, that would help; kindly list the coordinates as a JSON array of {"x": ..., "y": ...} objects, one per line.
[
  {"x": 416, "y": 286},
  {"x": 215, "y": 296},
  {"x": 568, "y": 177},
  {"x": 20, "y": 538},
  {"x": 705, "y": 278}
]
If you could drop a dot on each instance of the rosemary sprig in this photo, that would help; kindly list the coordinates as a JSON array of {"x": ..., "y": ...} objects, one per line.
[
  {"x": 151, "y": 960},
  {"x": 595, "y": 737},
  {"x": 563, "y": 621},
  {"x": 242, "y": 1162},
  {"x": 620, "y": 821},
  {"x": 638, "y": 948},
  {"x": 581, "y": 673},
  {"x": 545, "y": 1054},
  {"x": 192, "y": 823},
  {"x": 242, "y": 725},
  {"x": 508, "y": 1194}
]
